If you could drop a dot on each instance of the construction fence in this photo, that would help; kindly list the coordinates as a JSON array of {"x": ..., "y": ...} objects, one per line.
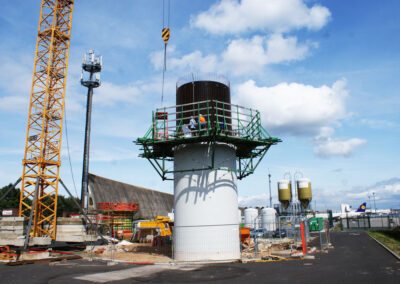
[
  {"x": 371, "y": 222},
  {"x": 290, "y": 235}
]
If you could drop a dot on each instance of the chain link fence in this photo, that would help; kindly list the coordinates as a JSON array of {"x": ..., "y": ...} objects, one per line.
[
  {"x": 288, "y": 236},
  {"x": 324, "y": 236}
]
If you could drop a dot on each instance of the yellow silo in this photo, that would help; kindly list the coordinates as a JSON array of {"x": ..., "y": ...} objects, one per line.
[
  {"x": 304, "y": 191},
  {"x": 284, "y": 192}
]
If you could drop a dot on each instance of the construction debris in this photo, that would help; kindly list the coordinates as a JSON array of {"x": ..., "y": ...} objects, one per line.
[
  {"x": 272, "y": 249},
  {"x": 137, "y": 252}
]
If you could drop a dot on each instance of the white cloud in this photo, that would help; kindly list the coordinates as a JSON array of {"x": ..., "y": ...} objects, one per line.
[
  {"x": 294, "y": 108},
  {"x": 15, "y": 76},
  {"x": 232, "y": 16},
  {"x": 242, "y": 56},
  {"x": 192, "y": 62},
  {"x": 246, "y": 56},
  {"x": 15, "y": 82},
  {"x": 14, "y": 103},
  {"x": 109, "y": 93},
  {"x": 378, "y": 123},
  {"x": 195, "y": 61},
  {"x": 338, "y": 147},
  {"x": 303, "y": 110},
  {"x": 386, "y": 192},
  {"x": 253, "y": 200}
]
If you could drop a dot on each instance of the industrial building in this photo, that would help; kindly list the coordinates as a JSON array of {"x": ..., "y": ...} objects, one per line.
[{"x": 151, "y": 203}]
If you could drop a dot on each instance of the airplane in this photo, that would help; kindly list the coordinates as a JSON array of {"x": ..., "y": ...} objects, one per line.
[
  {"x": 345, "y": 212},
  {"x": 362, "y": 207}
]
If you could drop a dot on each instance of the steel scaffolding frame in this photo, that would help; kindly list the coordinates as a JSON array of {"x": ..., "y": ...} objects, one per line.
[{"x": 225, "y": 123}]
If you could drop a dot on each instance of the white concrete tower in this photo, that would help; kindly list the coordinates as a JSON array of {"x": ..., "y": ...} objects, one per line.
[
  {"x": 206, "y": 204},
  {"x": 211, "y": 144}
]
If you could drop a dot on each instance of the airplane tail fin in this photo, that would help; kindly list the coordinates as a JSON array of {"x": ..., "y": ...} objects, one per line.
[{"x": 362, "y": 207}]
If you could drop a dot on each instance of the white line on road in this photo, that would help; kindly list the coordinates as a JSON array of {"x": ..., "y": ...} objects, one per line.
[{"x": 139, "y": 271}]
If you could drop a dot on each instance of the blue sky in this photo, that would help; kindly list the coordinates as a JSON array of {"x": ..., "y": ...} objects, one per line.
[{"x": 324, "y": 74}]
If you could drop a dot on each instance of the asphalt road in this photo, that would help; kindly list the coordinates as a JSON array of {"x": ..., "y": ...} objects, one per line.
[{"x": 356, "y": 258}]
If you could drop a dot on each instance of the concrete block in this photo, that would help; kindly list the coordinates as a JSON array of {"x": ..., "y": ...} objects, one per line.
[
  {"x": 5, "y": 228},
  {"x": 13, "y": 219},
  {"x": 71, "y": 228},
  {"x": 69, "y": 221},
  {"x": 11, "y": 232}
]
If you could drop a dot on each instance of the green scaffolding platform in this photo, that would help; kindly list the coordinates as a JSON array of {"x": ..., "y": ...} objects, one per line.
[{"x": 224, "y": 123}]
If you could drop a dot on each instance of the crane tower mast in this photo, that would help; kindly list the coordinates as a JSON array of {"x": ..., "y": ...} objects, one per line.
[{"x": 41, "y": 161}]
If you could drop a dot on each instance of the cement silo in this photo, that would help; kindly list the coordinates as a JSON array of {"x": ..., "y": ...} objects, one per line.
[
  {"x": 284, "y": 192},
  {"x": 250, "y": 218},
  {"x": 268, "y": 219},
  {"x": 211, "y": 144},
  {"x": 304, "y": 191}
]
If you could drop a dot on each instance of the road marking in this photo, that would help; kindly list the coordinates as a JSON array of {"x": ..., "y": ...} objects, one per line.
[{"x": 139, "y": 271}]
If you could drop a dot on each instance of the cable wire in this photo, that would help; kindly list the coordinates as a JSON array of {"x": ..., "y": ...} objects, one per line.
[
  {"x": 69, "y": 154},
  {"x": 165, "y": 45}
]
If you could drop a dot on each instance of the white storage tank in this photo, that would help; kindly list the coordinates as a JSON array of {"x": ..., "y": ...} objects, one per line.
[
  {"x": 268, "y": 219},
  {"x": 206, "y": 204},
  {"x": 250, "y": 218}
]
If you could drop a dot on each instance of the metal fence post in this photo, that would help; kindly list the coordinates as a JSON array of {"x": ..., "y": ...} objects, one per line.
[
  {"x": 255, "y": 245},
  {"x": 327, "y": 234},
  {"x": 320, "y": 239}
]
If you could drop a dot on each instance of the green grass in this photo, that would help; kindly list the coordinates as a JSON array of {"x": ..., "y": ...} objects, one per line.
[{"x": 391, "y": 239}]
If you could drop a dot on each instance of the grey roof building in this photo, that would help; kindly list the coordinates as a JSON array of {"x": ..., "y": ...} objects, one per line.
[{"x": 151, "y": 202}]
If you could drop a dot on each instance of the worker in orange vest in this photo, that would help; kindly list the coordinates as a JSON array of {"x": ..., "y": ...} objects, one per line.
[{"x": 202, "y": 121}]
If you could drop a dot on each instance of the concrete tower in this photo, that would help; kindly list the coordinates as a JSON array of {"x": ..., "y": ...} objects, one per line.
[{"x": 211, "y": 144}]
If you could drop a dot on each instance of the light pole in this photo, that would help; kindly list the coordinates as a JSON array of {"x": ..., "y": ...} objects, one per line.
[
  {"x": 92, "y": 65},
  {"x": 373, "y": 195},
  {"x": 270, "y": 196},
  {"x": 369, "y": 200}
]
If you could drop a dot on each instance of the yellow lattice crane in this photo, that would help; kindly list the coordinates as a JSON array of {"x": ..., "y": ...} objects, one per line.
[{"x": 41, "y": 164}]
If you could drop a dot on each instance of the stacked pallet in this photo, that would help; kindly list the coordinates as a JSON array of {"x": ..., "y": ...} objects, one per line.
[
  {"x": 12, "y": 229},
  {"x": 72, "y": 230}
]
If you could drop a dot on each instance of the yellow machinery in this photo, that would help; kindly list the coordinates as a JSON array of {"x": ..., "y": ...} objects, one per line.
[
  {"x": 159, "y": 227},
  {"x": 41, "y": 161}
]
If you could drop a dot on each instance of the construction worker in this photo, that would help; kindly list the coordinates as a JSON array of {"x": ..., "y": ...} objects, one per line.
[
  {"x": 202, "y": 121},
  {"x": 192, "y": 123}
]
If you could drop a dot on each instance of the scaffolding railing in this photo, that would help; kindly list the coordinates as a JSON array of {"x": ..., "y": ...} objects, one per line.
[
  {"x": 206, "y": 118},
  {"x": 210, "y": 122}
]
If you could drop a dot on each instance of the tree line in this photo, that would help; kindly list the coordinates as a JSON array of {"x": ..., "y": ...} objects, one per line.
[{"x": 64, "y": 204}]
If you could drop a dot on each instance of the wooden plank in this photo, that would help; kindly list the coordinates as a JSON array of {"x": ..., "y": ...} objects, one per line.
[{"x": 44, "y": 260}]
